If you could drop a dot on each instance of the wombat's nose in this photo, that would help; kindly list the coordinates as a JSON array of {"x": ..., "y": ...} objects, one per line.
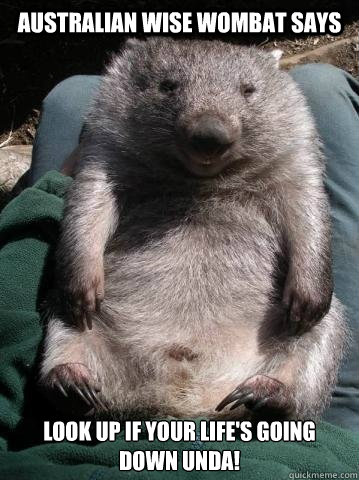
[{"x": 208, "y": 134}]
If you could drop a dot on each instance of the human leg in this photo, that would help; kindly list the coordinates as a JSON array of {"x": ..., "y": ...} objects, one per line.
[
  {"x": 61, "y": 123},
  {"x": 333, "y": 96}
]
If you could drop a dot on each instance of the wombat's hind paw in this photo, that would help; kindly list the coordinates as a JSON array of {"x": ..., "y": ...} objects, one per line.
[
  {"x": 260, "y": 394},
  {"x": 72, "y": 386}
]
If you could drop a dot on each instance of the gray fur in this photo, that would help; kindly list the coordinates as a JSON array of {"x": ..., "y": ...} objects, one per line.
[{"x": 210, "y": 275}]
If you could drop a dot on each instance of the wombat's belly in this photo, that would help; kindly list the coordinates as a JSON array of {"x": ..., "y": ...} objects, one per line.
[{"x": 187, "y": 309}]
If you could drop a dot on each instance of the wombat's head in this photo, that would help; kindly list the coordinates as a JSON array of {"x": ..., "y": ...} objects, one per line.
[{"x": 199, "y": 104}]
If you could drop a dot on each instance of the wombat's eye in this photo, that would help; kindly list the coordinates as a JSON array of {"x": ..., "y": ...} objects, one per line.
[
  {"x": 247, "y": 90},
  {"x": 168, "y": 86},
  {"x": 141, "y": 82}
]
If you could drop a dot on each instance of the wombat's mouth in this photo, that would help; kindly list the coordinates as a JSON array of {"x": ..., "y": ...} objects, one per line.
[
  {"x": 205, "y": 162},
  {"x": 203, "y": 166}
]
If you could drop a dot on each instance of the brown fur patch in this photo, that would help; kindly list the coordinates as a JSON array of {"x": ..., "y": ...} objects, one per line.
[{"x": 180, "y": 353}]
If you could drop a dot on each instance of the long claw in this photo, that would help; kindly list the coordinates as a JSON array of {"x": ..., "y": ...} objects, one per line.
[
  {"x": 78, "y": 390},
  {"x": 93, "y": 398},
  {"x": 96, "y": 400},
  {"x": 88, "y": 318},
  {"x": 232, "y": 397},
  {"x": 83, "y": 320},
  {"x": 99, "y": 301},
  {"x": 102, "y": 404},
  {"x": 90, "y": 396},
  {"x": 78, "y": 317},
  {"x": 60, "y": 387},
  {"x": 224, "y": 403},
  {"x": 242, "y": 400}
]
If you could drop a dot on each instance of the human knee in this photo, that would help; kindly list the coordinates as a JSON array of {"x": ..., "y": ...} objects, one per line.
[
  {"x": 60, "y": 93},
  {"x": 72, "y": 94},
  {"x": 319, "y": 79}
]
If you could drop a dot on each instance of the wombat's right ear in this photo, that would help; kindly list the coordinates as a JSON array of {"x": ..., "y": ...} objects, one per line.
[{"x": 277, "y": 55}]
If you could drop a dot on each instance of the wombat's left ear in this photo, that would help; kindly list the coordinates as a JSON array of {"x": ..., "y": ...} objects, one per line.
[
  {"x": 277, "y": 55},
  {"x": 133, "y": 42}
]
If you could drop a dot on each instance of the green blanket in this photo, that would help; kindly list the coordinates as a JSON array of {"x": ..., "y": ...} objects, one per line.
[{"x": 28, "y": 231}]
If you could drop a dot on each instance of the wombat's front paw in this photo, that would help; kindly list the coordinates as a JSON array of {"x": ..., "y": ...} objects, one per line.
[
  {"x": 84, "y": 296},
  {"x": 264, "y": 396},
  {"x": 72, "y": 386},
  {"x": 306, "y": 306}
]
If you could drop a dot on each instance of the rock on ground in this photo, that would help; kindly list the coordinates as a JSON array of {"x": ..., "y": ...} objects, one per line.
[{"x": 14, "y": 162}]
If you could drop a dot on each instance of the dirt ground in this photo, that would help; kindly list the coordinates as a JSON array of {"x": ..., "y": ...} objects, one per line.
[{"x": 32, "y": 64}]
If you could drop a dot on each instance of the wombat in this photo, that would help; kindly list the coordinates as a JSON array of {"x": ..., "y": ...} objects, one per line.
[{"x": 193, "y": 271}]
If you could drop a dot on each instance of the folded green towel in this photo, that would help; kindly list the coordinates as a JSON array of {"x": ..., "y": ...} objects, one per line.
[{"x": 28, "y": 231}]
